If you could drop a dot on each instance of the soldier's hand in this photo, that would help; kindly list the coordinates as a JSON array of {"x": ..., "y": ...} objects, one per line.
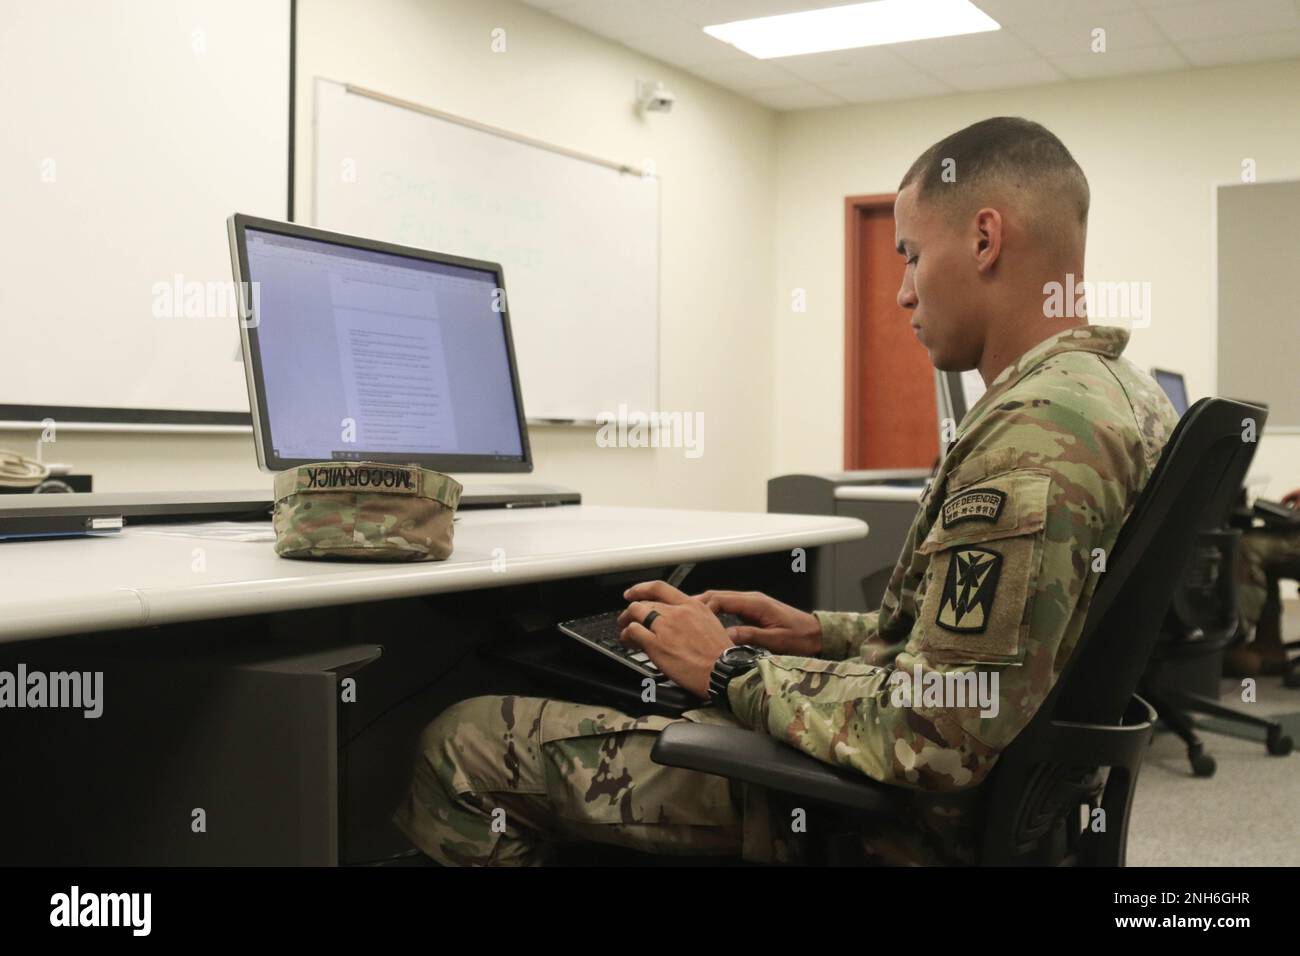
[
  {"x": 684, "y": 639},
  {"x": 1293, "y": 499},
  {"x": 770, "y": 624}
]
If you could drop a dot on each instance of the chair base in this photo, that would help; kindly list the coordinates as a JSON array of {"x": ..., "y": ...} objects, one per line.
[{"x": 1176, "y": 708}]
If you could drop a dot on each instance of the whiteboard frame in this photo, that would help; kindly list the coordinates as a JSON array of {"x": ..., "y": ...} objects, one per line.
[
  {"x": 624, "y": 168},
  {"x": 486, "y": 128},
  {"x": 91, "y": 418}
]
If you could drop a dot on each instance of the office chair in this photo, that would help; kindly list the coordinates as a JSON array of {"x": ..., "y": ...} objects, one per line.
[
  {"x": 1269, "y": 630},
  {"x": 1092, "y": 719},
  {"x": 1201, "y": 624}
]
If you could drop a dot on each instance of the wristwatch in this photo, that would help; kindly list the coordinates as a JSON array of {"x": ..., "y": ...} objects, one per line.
[{"x": 730, "y": 664}]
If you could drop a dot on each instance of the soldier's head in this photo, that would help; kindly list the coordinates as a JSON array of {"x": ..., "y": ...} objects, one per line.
[{"x": 985, "y": 217}]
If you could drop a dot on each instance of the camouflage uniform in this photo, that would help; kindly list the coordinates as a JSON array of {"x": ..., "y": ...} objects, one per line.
[
  {"x": 498, "y": 779},
  {"x": 1259, "y": 553},
  {"x": 996, "y": 575}
]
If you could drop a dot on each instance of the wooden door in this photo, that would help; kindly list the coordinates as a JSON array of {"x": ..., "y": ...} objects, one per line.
[{"x": 890, "y": 415}]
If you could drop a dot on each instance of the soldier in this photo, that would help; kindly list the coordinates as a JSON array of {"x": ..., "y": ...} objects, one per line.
[
  {"x": 1260, "y": 553},
  {"x": 993, "y": 583}
]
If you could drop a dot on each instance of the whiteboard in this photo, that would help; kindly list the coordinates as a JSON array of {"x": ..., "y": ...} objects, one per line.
[
  {"x": 132, "y": 130},
  {"x": 1257, "y": 249},
  {"x": 578, "y": 240}
]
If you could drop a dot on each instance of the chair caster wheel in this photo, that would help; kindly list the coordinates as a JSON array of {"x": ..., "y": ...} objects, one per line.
[
  {"x": 1278, "y": 745},
  {"x": 1203, "y": 764}
]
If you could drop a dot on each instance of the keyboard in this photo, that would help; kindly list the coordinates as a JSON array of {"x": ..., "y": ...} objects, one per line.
[
  {"x": 1276, "y": 513},
  {"x": 600, "y": 631}
]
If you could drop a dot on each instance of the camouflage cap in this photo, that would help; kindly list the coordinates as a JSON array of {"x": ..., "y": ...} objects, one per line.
[{"x": 364, "y": 510}]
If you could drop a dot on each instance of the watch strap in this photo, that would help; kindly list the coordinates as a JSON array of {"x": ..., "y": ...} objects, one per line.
[{"x": 725, "y": 671}]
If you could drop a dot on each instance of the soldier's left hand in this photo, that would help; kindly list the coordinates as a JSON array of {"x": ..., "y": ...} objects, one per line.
[{"x": 684, "y": 640}]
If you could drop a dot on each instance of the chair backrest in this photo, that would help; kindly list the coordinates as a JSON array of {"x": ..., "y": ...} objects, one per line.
[
  {"x": 1039, "y": 778},
  {"x": 1199, "y": 473},
  {"x": 1203, "y": 615}
]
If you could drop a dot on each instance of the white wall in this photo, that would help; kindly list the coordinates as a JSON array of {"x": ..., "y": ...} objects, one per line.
[
  {"x": 753, "y": 208},
  {"x": 715, "y": 154},
  {"x": 1152, "y": 147}
]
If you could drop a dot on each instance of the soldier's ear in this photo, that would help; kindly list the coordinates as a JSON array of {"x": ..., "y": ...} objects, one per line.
[{"x": 987, "y": 244}]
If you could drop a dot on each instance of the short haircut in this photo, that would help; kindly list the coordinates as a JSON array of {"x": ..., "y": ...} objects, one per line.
[{"x": 1001, "y": 154}]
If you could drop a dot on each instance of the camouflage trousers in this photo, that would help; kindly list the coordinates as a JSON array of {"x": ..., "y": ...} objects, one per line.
[
  {"x": 1258, "y": 554},
  {"x": 499, "y": 780}
]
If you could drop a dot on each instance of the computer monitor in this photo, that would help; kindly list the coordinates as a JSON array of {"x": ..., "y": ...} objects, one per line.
[
  {"x": 1174, "y": 387},
  {"x": 357, "y": 350}
]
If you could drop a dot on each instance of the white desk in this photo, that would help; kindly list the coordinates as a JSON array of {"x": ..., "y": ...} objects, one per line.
[
  {"x": 249, "y": 723},
  {"x": 139, "y": 578}
]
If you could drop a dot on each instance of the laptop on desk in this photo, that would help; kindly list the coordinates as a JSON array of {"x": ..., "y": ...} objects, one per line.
[{"x": 356, "y": 350}]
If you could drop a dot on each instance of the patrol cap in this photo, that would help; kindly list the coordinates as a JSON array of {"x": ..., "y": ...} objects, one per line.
[{"x": 364, "y": 510}]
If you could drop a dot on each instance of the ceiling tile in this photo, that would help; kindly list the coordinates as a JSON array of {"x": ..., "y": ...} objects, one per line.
[
  {"x": 895, "y": 86},
  {"x": 1089, "y": 66},
  {"x": 706, "y": 13},
  {"x": 751, "y": 75},
  {"x": 1015, "y": 12},
  {"x": 844, "y": 64},
  {"x": 1042, "y": 41},
  {"x": 1252, "y": 49},
  {"x": 1071, "y": 35},
  {"x": 1000, "y": 76},
  {"x": 687, "y": 47},
  {"x": 618, "y": 19},
  {"x": 1207, "y": 21},
  {"x": 804, "y": 97},
  {"x": 975, "y": 49},
  {"x": 1157, "y": 4}
]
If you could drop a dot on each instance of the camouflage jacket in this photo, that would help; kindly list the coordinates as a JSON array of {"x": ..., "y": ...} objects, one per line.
[{"x": 995, "y": 579}]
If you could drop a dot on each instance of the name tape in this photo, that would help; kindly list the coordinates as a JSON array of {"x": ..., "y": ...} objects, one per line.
[
  {"x": 391, "y": 479},
  {"x": 978, "y": 504}
]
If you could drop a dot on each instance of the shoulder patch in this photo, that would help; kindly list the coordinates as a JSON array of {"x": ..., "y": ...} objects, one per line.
[
  {"x": 968, "y": 590},
  {"x": 977, "y": 504}
]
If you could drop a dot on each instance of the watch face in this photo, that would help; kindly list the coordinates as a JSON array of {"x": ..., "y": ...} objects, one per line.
[{"x": 741, "y": 654}]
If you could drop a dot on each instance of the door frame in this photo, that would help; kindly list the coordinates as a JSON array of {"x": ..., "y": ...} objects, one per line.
[{"x": 854, "y": 206}]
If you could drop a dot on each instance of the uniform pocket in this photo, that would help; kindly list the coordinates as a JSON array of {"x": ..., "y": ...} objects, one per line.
[
  {"x": 598, "y": 768},
  {"x": 985, "y": 549},
  {"x": 564, "y": 721}
]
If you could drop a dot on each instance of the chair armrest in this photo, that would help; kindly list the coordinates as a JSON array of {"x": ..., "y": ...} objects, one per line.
[
  {"x": 1088, "y": 744},
  {"x": 756, "y": 758},
  {"x": 1099, "y": 745}
]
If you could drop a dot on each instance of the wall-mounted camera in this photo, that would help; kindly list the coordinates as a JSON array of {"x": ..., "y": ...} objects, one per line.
[{"x": 653, "y": 97}]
